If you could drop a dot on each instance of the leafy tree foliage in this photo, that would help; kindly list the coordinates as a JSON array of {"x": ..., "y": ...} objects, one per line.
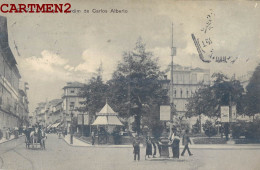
[
  {"x": 135, "y": 86},
  {"x": 209, "y": 128},
  {"x": 196, "y": 127},
  {"x": 207, "y": 100},
  {"x": 252, "y": 98},
  {"x": 95, "y": 94}
]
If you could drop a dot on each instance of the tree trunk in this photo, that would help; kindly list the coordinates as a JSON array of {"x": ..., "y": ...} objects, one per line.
[
  {"x": 200, "y": 129},
  {"x": 138, "y": 123}
]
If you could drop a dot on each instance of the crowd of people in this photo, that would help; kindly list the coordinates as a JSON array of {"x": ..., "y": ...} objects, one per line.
[{"x": 152, "y": 145}]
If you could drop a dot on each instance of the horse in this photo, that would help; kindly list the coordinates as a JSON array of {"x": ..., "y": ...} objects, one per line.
[
  {"x": 34, "y": 136},
  {"x": 27, "y": 137}
]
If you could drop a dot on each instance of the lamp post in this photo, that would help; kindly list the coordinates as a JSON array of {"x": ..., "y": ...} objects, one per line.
[
  {"x": 173, "y": 53},
  {"x": 82, "y": 130},
  {"x": 71, "y": 128}
]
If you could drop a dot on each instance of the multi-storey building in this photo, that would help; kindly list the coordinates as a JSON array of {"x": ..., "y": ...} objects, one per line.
[
  {"x": 56, "y": 111},
  {"x": 244, "y": 79},
  {"x": 23, "y": 103},
  {"x": 71, "y": 100},
  {"x": 186, "y": 81},
  {"x": 40, "y": 111},
  {"x": 49, "y": 112},
  {"x": 9, "y": 81}
]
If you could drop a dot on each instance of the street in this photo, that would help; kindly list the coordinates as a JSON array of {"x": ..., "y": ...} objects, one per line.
[{"x": 60, "y": 156}]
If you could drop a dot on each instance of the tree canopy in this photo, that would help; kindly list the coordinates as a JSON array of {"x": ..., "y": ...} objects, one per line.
[
  {"x": 207, "y": 100},
  {"x": 94, "y": 93},
  {"x": 135, "y": 87},
  {"x": 252, "y": 98}
]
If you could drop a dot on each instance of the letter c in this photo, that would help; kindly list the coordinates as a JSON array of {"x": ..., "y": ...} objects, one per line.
[{"x": 2, "y": 8}]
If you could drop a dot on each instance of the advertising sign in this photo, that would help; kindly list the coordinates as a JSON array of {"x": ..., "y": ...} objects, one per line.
[
  {"x": 165, "y": 113},
  {"x": 224, "y": 113}
]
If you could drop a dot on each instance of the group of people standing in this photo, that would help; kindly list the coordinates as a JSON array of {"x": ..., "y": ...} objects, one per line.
[{"x": 152, "y": 145}]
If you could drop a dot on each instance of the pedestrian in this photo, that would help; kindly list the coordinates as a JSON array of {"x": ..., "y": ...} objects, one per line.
[
  {"x": 136, "y": 146},
  {"x": 43, "y": 138},
  {"x": 154, "y": 147},
  {"x": 148, "y": 147},
  {"x": 93, "y": 137},
  {"x": 226, "y": 130},
  {"x": 159, "y": 145},
  {"x": 176, "y": 146},
  {"x": 185, "y": 142}
]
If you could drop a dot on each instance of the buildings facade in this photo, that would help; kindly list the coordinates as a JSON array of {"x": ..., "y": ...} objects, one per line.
[
  {"x": 71, "y": 100},
  {"x": 23, "y": 103},
  {"x": 49, "y": 112},
  {"x": 186, "y": 81},
  {"x": 59, "y": 110},
  {"x": 244, "y": 79},
  {"x": 13, "y": 102}
]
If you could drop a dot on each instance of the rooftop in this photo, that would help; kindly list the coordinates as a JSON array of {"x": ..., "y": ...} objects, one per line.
[{"x": 73, "y": 84}]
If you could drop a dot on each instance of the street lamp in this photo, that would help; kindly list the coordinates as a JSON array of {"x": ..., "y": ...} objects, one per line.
[{"x": 71, "y": 129}]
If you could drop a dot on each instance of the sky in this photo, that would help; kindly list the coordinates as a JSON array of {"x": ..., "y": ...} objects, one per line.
[{"x": 58, "y": 48}]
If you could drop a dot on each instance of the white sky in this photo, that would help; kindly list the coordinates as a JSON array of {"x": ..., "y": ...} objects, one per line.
[{"x": 57, "y": 48}]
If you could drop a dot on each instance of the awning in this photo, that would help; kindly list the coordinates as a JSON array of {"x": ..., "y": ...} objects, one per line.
[
  {"x": 49, "y": 126},
  {"x": 55, "y": 125},
  {"x": 100, "y": 120},
  {"x": 113, "y": 120},
  {"x": 107, "y": 120}
]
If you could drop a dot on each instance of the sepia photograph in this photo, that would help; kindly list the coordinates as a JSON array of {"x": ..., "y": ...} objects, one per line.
[{"x": 129, "y": 85}]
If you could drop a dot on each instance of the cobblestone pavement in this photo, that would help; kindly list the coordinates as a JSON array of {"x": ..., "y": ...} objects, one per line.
[{"x": 61, "y": 156}]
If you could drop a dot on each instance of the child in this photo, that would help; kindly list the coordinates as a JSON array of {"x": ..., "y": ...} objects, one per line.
[{"x": 136, "y": 145}]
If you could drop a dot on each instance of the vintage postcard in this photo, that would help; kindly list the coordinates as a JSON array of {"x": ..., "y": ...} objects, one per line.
[{"x": 112, "y": 84}]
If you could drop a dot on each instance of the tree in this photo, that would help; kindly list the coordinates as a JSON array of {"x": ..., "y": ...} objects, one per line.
[
  {"x": 135, "y": 86},
  {"x": 94, "y": 93},
  {"x": 209, "y": 128},
  {"x": 208, "y": 99},
  {"x": 252, "y": 98}
]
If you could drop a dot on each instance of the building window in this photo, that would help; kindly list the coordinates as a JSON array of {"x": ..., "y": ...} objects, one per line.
[
  {"x": 194, "y": 78},
  {"x": 181, "y": 93},
  {"x": 175, "y": 92},
  {"x": 72, "y": 91},
  {"x": 187, "y": 92}
]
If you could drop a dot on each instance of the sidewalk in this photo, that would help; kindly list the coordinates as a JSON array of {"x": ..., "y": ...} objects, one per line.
[
  {"x": 3, "y": 140},
  {"x": 78, "y": 142}
]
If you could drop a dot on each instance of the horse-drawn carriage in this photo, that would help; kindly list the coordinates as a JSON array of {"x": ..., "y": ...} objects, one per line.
[{"x": 35, "y": 138}]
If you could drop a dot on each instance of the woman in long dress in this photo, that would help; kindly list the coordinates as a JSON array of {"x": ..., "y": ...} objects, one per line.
[
  {"x": 176, "y": 146},
  {"x": 148, "y": 147}
]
